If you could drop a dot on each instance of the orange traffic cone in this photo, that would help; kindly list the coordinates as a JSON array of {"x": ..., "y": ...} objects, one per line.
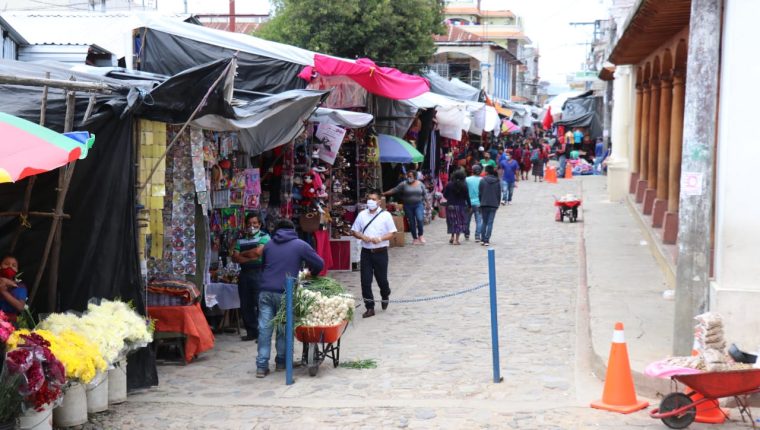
[
  {"x": 551, "y": 174},
  {"x": 568, "y": 171},
  {"x": 619, "y": 393},
  {"x": 707, "y": 412}
]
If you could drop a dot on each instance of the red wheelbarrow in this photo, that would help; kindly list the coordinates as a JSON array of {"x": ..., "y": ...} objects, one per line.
[
  {"x": 677, "y": 410},
  {"x": 567, "y": 209}
]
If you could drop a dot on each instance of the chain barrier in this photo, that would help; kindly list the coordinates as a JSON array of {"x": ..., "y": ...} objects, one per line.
[{"x": 360, "y": 300}]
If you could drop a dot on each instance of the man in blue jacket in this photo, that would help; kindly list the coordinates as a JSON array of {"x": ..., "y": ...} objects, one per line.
[{"x": 283, "y": 257}]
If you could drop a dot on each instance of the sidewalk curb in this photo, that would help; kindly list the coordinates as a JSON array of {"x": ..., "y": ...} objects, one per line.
[
  {"x": 646, "y": 386},
  {"x": 655, "y": 244}
]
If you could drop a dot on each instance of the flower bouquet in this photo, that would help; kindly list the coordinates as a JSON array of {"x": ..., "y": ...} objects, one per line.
[
  {"x": 6, "y": 327},
  {"x": 81, "y": 359},
  {"x": 40, "y": 375},
  {"x": 135, "y": 330}
]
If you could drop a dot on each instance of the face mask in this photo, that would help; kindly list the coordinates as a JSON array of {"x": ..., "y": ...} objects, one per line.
[
  {"x": 371, "y": 205},
  {"x": 410, "y": 180},
  {"x": 252, "y": 230},
  {"x": 8, "y": 273}
]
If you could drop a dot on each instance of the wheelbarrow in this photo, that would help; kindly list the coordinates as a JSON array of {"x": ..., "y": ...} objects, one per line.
[
  {"x": 567, "y": 209},
  {"x": 321, "y": 342},
  {"x": 677, "y": 410}
]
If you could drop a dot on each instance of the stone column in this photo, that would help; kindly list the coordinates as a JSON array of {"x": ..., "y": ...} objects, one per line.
[
  {"x": 663, "y": 152},
  {"x": 670, "y": 228},
  {"x": 636, "y": 141},
  {"x": 644, "y": 144},
  {"x": 654, "y": 120},
  {"x": 617, "y": 165},
  {"x": 698, "y": 158}
]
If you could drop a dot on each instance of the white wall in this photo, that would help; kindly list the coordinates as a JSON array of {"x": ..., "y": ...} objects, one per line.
[{"x": 736, "y": 290}]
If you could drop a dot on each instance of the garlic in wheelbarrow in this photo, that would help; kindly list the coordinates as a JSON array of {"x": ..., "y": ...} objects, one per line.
[{"x": 327, "y": 311}]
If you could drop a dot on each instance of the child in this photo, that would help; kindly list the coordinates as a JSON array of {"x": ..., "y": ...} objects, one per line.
[{"x": 12, "y": 293}]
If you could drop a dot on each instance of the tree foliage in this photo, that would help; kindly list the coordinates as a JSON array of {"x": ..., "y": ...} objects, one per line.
[{"x": 397, "y": 33}]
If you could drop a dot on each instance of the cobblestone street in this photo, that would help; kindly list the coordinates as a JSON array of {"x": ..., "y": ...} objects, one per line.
[{"x": 433, "y": 358}]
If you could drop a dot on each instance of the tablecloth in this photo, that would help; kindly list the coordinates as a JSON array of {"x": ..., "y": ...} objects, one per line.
[
  {"x": 224, "y": 295},
  {"x": 188, "y": 320}
]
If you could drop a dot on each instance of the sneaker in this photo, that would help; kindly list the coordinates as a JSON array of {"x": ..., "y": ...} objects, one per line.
[
  {"x": 477, "y": 240},
  {"x": 261, "y": 373},
  {"x": 278, "y": 367},
  {"x": 467, "y": 238},
  {"x": 485, "y": 244},
  {"x": 416, "y": 242},
  {"x": 384, "y": 303},
  {"x": 422, "y": 240}
]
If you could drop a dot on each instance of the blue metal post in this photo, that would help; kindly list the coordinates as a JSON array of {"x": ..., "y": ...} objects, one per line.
[
  {"x": 289, "y": 331},
  {"x": 494, "y": 320}
]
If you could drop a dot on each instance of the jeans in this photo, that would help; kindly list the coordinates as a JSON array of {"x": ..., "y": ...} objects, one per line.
[
  {"x": 374, "y": 263},
  {"x": 489, "y": 214},
  {"x": 510, "y": 191},
  {"x": 415, "y": 214},
  {"x": 562, "y": 165},
  {"x": 269, "y": 303},
  {"x": 248, "y": 290},
  {"x": 503, "y": 190},
  {"x": 598, "y": 166},
  {"x": 475, "y": 210}
]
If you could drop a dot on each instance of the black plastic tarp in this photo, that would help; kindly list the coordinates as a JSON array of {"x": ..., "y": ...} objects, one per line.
[
  {"x": 169, "y": 54},
  {"x": 99, "y": 248},
  {"x": 583, "y": 111}
]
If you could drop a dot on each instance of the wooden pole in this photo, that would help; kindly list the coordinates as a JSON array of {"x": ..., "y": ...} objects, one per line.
[
  {"x": 57, "y": 83},
  {"x": 53, "y": 243},
  {"x": 697, "y": 168},
  {"x": 34, "y": 213},
  {"x": 23, "y": 222}
]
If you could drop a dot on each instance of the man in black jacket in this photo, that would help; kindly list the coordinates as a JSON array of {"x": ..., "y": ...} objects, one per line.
[{"x": 490, "y": 198}]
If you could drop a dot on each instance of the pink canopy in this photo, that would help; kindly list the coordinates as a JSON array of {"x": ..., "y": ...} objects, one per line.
[{"x": 383, "y": 81}]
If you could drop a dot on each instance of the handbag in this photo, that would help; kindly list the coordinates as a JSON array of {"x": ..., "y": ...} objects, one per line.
[{"x": 309, "y": 221}]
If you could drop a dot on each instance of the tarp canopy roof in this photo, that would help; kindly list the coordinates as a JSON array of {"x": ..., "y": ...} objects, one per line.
[{"x": 452, "y": 88}]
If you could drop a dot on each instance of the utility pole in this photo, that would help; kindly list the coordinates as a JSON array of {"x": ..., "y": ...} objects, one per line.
[
  {"x": 232, "y": 16},
  {"x": 697, "y": 165}
]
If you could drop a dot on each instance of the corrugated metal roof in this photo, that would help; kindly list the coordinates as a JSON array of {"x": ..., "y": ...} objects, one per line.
[
  {"x": 111, "y": 31},
  {"x": 12, "y": 31}
]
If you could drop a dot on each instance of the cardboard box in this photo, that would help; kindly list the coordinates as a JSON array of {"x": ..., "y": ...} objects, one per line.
[
  {"x": 399, "y": 221},
  {"x": 398, "y": 240}
]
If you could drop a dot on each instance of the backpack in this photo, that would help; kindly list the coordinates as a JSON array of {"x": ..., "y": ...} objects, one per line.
[{"x": 534, "y": 155}]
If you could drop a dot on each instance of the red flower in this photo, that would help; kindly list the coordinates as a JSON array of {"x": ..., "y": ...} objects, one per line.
[{"x": 19, "y": 360}]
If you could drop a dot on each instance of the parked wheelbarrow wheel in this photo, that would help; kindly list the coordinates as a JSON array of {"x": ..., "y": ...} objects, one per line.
[
  {"x": 312, "y": 359},
  {"x": 674, "y": 401}
]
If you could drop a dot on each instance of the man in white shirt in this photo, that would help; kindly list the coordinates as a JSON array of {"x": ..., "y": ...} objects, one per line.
[{"x": 375, "y": 228}]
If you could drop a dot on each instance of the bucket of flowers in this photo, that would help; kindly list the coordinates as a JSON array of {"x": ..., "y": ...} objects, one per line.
[
  {"x": 39, "y": 377},
  {"x": 81, "y": 360}
]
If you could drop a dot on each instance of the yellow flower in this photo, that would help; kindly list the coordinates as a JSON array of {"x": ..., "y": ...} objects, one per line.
[{"x": 80, "y": 357}]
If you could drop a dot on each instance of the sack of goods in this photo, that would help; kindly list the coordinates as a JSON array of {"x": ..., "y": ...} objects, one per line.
[{"x": 569, "y": 198}]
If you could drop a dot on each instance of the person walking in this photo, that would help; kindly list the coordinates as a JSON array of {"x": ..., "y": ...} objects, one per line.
[
  {"x": 598, "y": 156},
  {"x": 526, "y": 165},
  {"x": 489, "y": 191},
  {"x": 374, "y": 227},
  {"x": 412, "y": 192},
  {"x": 509, "y": 169},
  {"x": 538, "y": 157},
  {"x": 249, "y": 279},
  {"x": 283, "y": 257},
  {"x": 458, "y": 198},
  {"x": 473, "y": 188}
]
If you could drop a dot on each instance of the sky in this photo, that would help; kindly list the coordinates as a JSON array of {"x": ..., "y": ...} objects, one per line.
[{"x": 546, "y": 22}]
